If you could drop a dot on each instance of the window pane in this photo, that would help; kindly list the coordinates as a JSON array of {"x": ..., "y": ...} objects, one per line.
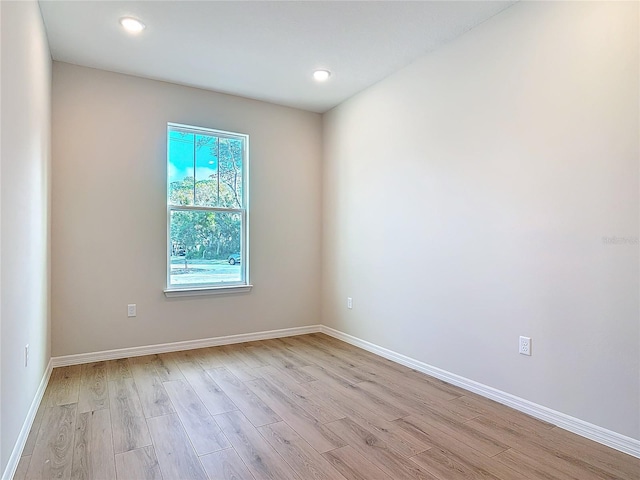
[
  {"x": 231, "y": 156},
  {"x": 180, "y": 167},
  {"x": 205, "y": 247},
  {"x": 206, "y": 160}
]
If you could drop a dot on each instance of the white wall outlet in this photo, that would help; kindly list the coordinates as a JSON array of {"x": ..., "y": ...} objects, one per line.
[
  {"x": 525, "y": 346},
  {"x": 131, "y": 310},
  {"x": 349, "y": 302},
  {"x": 26, "y": 355}
]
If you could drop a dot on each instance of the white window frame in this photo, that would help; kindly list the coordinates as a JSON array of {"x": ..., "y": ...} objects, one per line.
[{"x": 212, "y": 288}]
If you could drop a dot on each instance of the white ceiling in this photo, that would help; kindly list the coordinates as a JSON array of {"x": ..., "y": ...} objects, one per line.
[{"x": 265, "y": 50}]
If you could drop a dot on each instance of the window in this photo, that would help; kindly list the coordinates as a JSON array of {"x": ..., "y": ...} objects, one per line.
[{"x": 206, "y": 210}]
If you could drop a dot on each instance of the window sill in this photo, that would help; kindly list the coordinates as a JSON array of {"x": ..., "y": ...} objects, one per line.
[{"x": 195, "y": 291}]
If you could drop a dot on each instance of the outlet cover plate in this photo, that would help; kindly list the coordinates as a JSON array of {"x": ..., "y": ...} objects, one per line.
[{"x": 525, "y": 346}]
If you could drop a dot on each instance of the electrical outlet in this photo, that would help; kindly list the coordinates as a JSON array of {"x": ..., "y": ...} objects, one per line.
[
  {"x": 525, "y": 346},
  {"x": 26, "y": 355},
  {"x": 131, "y": 310},
  {"x": 349, "y": 302}
]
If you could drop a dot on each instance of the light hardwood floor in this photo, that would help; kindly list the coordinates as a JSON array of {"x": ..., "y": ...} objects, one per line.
[{"x": 307, "y": 408}]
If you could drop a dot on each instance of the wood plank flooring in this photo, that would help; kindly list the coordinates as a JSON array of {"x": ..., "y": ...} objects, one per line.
[{"x": 299, "y": 408}]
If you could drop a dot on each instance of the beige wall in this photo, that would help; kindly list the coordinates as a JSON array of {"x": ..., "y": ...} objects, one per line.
[
  {"x": 109, "y": 213},
  {"x": 25, "y": 110},
  {"x": 465, "y": 202}
]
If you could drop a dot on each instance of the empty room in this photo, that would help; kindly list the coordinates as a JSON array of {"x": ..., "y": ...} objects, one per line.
[{"x": 346, "y": 240}]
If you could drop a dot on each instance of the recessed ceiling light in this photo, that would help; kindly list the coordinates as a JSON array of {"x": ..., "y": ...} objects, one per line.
[
  {"x": 321, "y": 75},
  {"x": 132, "y": 25}
]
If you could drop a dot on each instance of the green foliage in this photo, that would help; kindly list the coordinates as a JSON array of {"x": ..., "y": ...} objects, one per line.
[{"x": 206, "y": 235}]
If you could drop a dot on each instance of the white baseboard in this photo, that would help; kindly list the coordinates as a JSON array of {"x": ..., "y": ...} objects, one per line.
[
  {"x": 588, "y": 430},
  {"x": 178, "y": 346},
  {"x": 14, "y": 459}
]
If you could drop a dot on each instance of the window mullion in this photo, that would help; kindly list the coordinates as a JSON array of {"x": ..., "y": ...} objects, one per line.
[
  {"x": 194, "y": 168},
  {"x": 198, "y": 208}
]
